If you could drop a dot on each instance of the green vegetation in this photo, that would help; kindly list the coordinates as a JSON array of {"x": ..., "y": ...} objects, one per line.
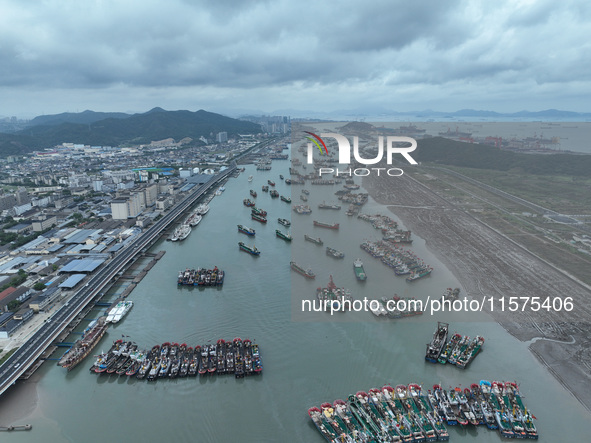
[
  {"x": 449, "y": 152},
  {"x": 156, "y": 124},
  {"x": 14, "y": 305},
  {"x": 15, "y": 281},
  {"x": 39, "y": 286},
  {"x": 7, "y": 355}
]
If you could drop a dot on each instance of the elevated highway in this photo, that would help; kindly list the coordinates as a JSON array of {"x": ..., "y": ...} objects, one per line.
[{"x": 30, "y": 351}]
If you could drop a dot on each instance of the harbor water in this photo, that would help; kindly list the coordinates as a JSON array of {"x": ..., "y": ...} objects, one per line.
[{"x": 308, "y": 358}]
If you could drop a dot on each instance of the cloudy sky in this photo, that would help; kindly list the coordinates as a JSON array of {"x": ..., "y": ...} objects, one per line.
[{"x": 296, "y": 56}]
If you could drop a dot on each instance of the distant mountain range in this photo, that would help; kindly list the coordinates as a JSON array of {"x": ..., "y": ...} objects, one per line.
[
  {"x": 114, "y": 129},
  {"x": 383, "y": 114}
]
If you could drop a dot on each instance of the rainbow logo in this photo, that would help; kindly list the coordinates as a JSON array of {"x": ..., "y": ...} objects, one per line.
[{"x": 316, "y": 142}]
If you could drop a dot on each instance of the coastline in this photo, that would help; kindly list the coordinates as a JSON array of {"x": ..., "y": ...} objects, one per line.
[{"x": 486, "y": 263}]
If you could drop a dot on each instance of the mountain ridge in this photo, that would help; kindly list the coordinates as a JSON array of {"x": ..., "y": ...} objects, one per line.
[{"x": 119, "y": 128}]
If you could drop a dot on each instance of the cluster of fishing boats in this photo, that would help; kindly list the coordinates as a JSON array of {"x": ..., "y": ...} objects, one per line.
[
  {"x": 171, "y": 360},
  {"x": 407, "y": 414},
  {"x": 333, "y": 294},
  {"x": 355, "y": 198},
  {"x": 201, "y": 277},
  {"x": 258, "y": 214},
  {"x": 182, "y": 231},
  {"x": 459, "y": 350},
  {"x": 388, "y": 227},
  {"x": 402, "y": 261}
]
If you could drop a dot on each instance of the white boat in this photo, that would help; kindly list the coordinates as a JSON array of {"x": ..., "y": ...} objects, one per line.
[
  {"x": 202, "y": 209},
  {"x": 194, "y": 220},
  {"x": 250, "y": 177},
  {"x": 181, "y": 233},
  {"x": 118, "y": 311}
]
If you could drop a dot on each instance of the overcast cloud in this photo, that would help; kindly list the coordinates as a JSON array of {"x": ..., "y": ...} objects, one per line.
[{"x": 60, "y": 55}]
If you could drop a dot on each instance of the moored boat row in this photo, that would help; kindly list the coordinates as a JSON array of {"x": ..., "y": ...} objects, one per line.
[
  {"x": 408, "y": 414},
  {"x": 171, "y": 360},
  {"x": 201, "y": 277},
  {"x": 459, "y": 350}
]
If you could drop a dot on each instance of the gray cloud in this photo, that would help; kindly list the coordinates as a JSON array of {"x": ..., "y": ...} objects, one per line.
[{"x": 385, "y": 51}]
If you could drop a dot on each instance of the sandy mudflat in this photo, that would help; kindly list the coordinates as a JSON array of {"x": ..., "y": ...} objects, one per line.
[
  {"x": 19, "y": 403},
  {"x": 490, "y": 264}
]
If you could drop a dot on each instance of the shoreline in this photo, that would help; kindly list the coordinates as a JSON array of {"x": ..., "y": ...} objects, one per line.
[{"x": 486, "y": 263}]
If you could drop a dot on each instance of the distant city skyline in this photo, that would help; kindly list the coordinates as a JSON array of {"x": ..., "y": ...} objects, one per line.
[{"x": 293, "y": 58}]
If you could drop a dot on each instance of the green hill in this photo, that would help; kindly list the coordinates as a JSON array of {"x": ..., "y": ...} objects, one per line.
[{"x": 156, "y": 124}]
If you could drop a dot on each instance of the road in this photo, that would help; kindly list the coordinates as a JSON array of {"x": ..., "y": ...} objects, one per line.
[{"x": 30, "y": 351}]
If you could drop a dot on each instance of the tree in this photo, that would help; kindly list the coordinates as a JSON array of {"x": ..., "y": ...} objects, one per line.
[
  {"x": 14, "y": 305},
  {"x": 39, "y": 286}
]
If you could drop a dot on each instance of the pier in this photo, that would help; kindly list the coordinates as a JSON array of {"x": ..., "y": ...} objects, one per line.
[{"x": 26, "y": 427}]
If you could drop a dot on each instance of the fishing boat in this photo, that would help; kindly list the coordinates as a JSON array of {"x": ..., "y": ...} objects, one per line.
[
  {"x": 448, "y": 349},
  {"x": 305, "y": 191},
  {"x": 274, "y": 193},
  {"x": 326, "y": 225},
  {"x": 438, "y": 341},
  {"x": 302, "y": 209},
  {"x": 258, "y": 218},
  {"x": 258, "y": 211},
  {"x": 265, "y": 188},
  {"x": 257, "y": 363},
  {"x": 253, "y": 193},
  {"x": 250, "y": 177},
  {"x": 283, "y": 221},
  {"x": 271, "y": 183},
  {"x": 194, "y": 219},
  {"x": 245, "y": 230},
  {"x": 419, "y": 273},
  {"x": 305, "y": 272},
  {"x": 316, "y": 240},
  {"x": 238, "y": 357},
  {"x": 334, "y": 253},
  {"x": 181, "y": 232},
  {"x": 325, "y": 429},
  {"x": 285, "y": 199},
  {"x": 82, "y": 347},
  {"x": 359, "y": 271},
  {"x": 470, "y": 352},
  {"x": 283, "y": 235},
  {"x": 248, "y": 202},
  {"x": 119, "y": 311},
  {"x": 323, "y": 205},
  {"x": 246, "y": 248},
  {"x": 203, "y": 359},
  {"x": 281, "y": 176},
  {"x": 202, "y": 209}
]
